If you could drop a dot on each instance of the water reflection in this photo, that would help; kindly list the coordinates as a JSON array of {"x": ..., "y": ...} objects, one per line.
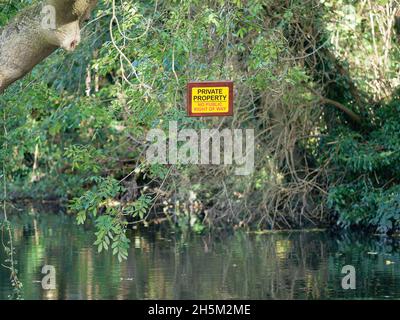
[{"x": 162, "y": 265}]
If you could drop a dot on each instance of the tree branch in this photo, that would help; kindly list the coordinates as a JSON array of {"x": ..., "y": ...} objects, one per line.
[
  {"x": 31, "y": 37},
  {"x": 353, "y": 117}
]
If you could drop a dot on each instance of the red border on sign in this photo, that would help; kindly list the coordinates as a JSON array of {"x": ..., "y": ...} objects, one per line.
[{"x": 206, "y": 84}]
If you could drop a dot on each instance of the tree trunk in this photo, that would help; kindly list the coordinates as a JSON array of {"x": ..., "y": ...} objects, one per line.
[{"x": 38, "y": 31}]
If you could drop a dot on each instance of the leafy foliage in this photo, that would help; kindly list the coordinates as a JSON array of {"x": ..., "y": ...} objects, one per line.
[
  {"x": 368, "y": 194},
  {"x": 77, "y": 124}
]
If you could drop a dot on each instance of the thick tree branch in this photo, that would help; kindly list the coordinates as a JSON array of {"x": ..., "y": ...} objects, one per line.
[
  {"x": 29, "y": 38},
  {"x": 352, "y": 116}
]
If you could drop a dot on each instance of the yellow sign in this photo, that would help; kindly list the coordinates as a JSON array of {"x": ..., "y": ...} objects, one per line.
[{"x": 210, "y": 98}]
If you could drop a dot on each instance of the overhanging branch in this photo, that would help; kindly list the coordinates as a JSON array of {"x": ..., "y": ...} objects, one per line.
[
  {"x": 352, "y": 116},
  {"x": 26, "y": 41}
]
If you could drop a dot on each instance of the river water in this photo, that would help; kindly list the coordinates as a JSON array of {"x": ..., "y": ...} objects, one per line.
[{"x": 167, "y": 265}]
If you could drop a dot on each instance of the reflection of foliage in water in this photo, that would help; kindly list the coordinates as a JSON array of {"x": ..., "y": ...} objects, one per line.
[{"x": 161, "y": 265}]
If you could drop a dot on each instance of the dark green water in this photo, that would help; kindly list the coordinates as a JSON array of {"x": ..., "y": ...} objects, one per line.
[{"x": 163, "y": 265}]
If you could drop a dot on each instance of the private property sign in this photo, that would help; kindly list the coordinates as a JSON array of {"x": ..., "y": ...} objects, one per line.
[{"x": 212, "y": 98}]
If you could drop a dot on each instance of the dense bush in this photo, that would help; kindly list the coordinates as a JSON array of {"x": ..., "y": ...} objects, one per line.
[
  {"x": 366, "y": 168},
  {"x": 75, "y": 128}
]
